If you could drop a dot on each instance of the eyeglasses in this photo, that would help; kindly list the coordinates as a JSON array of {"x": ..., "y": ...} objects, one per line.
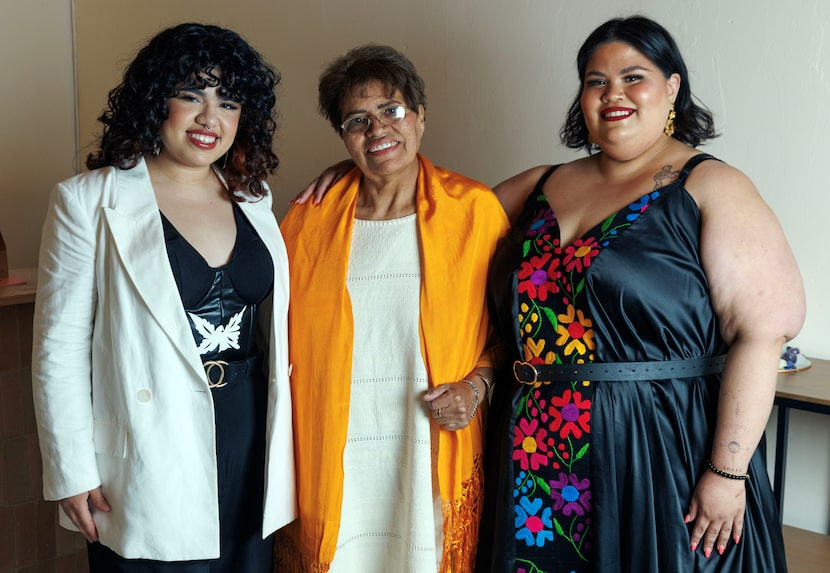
[{"x": 360, "y": 123}]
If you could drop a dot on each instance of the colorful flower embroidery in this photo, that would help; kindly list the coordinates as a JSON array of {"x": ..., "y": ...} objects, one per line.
[
  {"x": 534, "y": 350},
  {"x": 528, "y": 319},
  {"x": 537, "y": 406},
  {"x": 545, "y": 244},
  {"x": 536, "y": 280},
  {"x": 543, "y": 221},
  {"x": 530, "y": 445},
  {"x": 575, "y": 332},
  {"x": 570, "y": 417},
  {"x": 570, "y": 494},
  {"x": 533, "y": 529},
  {"x": 639, "y": 207},
  {"x": 552, "y": 425},
  {"x": 578, "y": 256}
]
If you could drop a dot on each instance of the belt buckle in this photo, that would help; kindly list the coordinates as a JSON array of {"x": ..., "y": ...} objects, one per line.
[
  {"x": 518, "y": 365},
  {"x": 210, "y": 365}
]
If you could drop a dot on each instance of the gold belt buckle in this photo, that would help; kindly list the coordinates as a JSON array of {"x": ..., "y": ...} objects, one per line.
[
  {"x": 519, "y": 364},
  {"x": 210, "y": 365}
]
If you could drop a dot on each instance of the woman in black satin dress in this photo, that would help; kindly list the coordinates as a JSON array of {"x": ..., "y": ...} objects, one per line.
[
  {"x": 645, "y": 291},
  {"x": 160, "y": 362}
]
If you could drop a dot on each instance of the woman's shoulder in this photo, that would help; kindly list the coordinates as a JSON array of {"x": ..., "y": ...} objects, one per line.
[
  {"x": 92, "y": 179},
  {"x": 523, "y": 180},
  {"x": 108, "y": 177},
  {"x": 463, "y": 188},
  {"x": 88, "y": 190},
  {"x": 711, "y": 179},
  {"x": 513, "y": 192},
  {"x": 449, "y": 178}
]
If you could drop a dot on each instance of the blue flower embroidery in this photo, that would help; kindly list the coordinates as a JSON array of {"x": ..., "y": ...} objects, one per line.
[
  {"x": 638, "y": 207},
  {"x": 531, "y": 528}
]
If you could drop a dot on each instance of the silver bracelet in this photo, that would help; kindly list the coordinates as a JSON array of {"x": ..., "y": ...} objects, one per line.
[
  {"x": 478, "y": 397},
  {"x": 487, "y": 384}
]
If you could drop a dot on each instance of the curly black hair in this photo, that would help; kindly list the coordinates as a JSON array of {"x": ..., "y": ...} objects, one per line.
[
  {"x": 693, "y": 123},
  {"x": 364, "y": 64},
  {"x": 193, "y": 55}
]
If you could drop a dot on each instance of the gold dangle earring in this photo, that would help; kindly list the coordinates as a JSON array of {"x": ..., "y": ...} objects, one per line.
[{"x": 669, "y": 129}]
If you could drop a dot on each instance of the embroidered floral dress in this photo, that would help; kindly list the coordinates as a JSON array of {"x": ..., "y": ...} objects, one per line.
[
  {"x": 552, "y": 432},
  {"x": 597, "y": 476}
]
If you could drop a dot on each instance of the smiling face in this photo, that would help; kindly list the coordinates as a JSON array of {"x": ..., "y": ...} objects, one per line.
[
  {"x": 382, "y": 152},
  {"x": 626, "y": 100},
  {"x": 200, "y": 127}
]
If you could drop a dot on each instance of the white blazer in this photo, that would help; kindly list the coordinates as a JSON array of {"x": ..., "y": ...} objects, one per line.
[{"x": 121, "y": 396}]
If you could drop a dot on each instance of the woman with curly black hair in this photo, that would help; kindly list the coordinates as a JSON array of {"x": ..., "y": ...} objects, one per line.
[{"x": 160, "y": 358}]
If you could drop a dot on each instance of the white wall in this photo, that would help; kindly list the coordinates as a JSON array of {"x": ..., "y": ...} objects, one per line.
[
  {"x": 499, "y": 77},
  {"x": 37, "y": 130}
]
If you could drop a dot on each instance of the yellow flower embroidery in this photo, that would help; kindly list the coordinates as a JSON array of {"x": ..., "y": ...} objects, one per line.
[{"x": 575, "y": 332}]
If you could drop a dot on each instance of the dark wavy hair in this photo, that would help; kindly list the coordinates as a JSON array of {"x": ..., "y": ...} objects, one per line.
[
  {"x": 693, "y": 123},
  {"x": 193, "y": 55},
  {"x": 364, "y": 64}
]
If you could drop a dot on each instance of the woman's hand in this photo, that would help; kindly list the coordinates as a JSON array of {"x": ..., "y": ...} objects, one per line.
[
  {"x": 717, "y": 511},
  {"x": 454, "y": 405},
  {"x": 79, "y": 509},
  {"x": 320, "y": 185}
]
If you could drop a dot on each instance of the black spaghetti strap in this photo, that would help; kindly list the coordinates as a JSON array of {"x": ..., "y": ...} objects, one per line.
[
  {"x": 544, "y": 178},
  {"x": 692, "y": 163},
  {"x": 537, "y": 189}
]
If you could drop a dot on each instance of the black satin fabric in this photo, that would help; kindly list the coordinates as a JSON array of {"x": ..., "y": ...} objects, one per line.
[
  {"x": 649, "y": 300},
  {"x": 217, "y": 294}
]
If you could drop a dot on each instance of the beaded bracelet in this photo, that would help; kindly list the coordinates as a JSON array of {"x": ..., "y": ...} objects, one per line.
[
  {"x": 726, "y": 474},
  {"x": 475, "y": 389},
  {"x": 487, "y": 384}
]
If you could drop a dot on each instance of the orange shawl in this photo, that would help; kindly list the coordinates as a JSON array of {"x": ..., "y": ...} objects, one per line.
[{"x": 459, "y": 222}]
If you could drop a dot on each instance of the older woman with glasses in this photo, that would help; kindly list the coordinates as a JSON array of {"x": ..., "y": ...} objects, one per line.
[{"x": 391, "y": 368}]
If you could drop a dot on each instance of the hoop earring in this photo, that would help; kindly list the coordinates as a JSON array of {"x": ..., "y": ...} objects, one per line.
[{"x": 669, "y": 129}]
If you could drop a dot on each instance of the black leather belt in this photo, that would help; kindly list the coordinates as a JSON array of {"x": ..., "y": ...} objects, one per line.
[
  {"x": 528, "y": 373},
  {"x": 220, "y": 373}
]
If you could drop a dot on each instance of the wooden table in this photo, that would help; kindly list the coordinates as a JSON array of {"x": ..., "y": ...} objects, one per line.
[
  {"x": 809, "y": 390},
  {"x": 20, "y": 293},
  {"x": 806, "y": 390}
]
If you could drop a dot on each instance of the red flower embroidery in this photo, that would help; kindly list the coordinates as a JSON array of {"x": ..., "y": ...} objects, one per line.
[
  {"x": 530, "y": 447},
  {"x": 580, "y": 254},
  {"x": 536, "y": 280},
  {"x": 570, "y": 417}
]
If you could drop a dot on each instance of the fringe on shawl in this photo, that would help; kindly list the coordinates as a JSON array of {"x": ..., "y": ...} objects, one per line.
[
  {"x": 461, "y": 519},
  {"x": 287, "y": 556}
]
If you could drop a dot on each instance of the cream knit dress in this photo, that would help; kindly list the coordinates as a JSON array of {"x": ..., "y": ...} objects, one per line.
[{"x": 391, "y": 518}]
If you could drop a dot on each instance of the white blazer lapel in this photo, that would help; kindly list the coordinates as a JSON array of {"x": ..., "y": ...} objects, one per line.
[
  {"x": 265, "y": 224},
  {"x": 135, "y": 224}
]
